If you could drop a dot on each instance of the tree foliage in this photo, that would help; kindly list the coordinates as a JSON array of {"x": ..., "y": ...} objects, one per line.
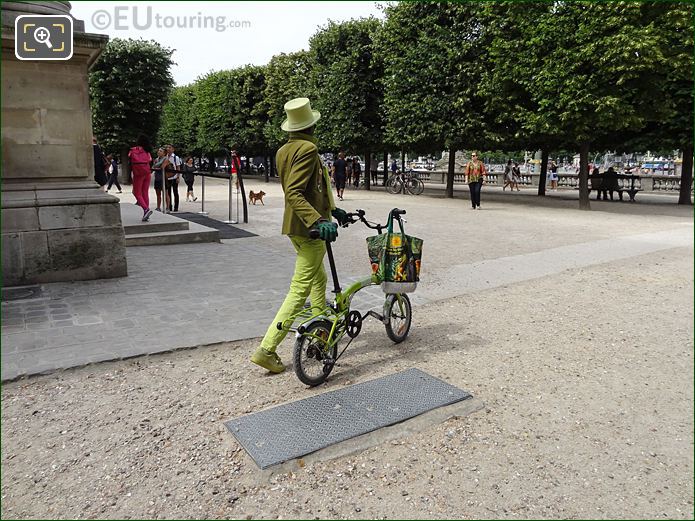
[
  {"x": 287, "y": 77},
  {"x": 506, "y": 76},
  {"x": 128, "y": 87},
  {"x": 179, "y": 125},
  {"x": 431, "y": 54},
  {"x": 346, "y": 74},
  {"x": 578, "y": 72},
  {"x": 432, "y": 70},
  {"x": 229, "y": 106}
]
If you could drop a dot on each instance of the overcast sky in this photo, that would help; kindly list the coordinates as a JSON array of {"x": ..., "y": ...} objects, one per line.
[{"x": 211, "y": 36}]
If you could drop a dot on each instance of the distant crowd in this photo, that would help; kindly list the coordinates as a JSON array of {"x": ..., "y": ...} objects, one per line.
[{"x": 167, "y": 168}]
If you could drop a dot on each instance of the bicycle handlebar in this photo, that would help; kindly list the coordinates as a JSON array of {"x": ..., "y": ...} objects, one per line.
[{"x": 359, "y": 215}]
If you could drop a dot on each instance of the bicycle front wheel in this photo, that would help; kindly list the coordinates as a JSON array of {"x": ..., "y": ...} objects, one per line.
[
  {"x": 313, "y": 358},
  {"x": 398, "y": 317},
  {"x": 415, "y": 186},
  {"x": 394, "y": 185}
]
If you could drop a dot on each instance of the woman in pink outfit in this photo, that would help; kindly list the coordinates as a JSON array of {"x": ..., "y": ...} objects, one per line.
[{"x": 140, "y": 162}]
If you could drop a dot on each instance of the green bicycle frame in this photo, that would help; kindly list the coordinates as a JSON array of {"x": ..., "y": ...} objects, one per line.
[{"x": 337, "y": 313}]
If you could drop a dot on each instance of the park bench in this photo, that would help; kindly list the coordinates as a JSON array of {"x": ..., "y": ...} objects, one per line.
[{"x": 596, "y": 184}]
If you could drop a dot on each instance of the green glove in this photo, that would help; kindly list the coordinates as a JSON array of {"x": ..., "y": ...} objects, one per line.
[
  {"x": 328, "y": 231},
  {"x": 340, "y": 215}
]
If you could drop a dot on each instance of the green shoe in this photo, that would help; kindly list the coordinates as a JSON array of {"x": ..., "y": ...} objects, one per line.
[{"x": 268, "y": 360}]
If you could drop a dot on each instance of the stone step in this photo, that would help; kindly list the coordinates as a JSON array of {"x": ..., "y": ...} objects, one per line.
[
  {"x": 195, "y": 233},
  {"x": 155, "y": 227}
]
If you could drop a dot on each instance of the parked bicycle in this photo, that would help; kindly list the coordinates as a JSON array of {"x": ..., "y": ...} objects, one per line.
[
  {"x": 402, "y": 182},
  {"x": 320, "y": 330}
]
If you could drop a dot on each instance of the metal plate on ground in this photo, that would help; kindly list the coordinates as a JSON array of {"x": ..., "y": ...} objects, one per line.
[
  {"x": 295, "y": 429},
  {"x": 227, "y": 231}
]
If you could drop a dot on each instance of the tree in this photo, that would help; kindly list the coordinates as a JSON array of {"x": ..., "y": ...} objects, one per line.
[
  {"x": 128, "y": 87},
  {"x": 590, "y": 72},
  {"x": 287, "y": 77},
  {"x": 673, "y": 128},
  {"x": 214, "y": 102},
  {"x": 230, "y": 110},
  {"x": 248, "y": 117},
  {"x": 432, "y": 68},
  {"x": 512, "y": 33},
  {"x": 231, "y": 115},
  {"x": 179, "y": 123},
  {"x": 346, "y": 74}
]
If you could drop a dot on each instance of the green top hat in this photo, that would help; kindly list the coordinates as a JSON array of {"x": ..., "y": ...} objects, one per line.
[{"x": 299, "y": 115}]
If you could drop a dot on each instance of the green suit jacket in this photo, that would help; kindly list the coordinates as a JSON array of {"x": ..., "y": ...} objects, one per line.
[{"x": 306, "y": 194}]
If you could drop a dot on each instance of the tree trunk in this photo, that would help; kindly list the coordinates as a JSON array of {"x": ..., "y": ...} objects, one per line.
[
  {"x": 273, "y": 170},
  {"x": 686, "y": 175},
  {"x": 266, "y": 169},
  {"x": 386, "y": 168},
  {"x": 367, "y": 169},
  {"x": 544, "y": 171},
  {"x": 449, "y": 192},
  {"x": 402, "y": 160},
  {"x": 126, "y": 174},
  {"x": 584, "y": 176}
]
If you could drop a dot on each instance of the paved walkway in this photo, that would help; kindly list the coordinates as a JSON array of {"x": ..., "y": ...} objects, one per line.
[
  {"x": 174, "y": 297},
  {"x": 195, "y": 294}
]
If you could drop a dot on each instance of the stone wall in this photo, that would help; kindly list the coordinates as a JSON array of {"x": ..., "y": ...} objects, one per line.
[{"x": 56, "y": 224}]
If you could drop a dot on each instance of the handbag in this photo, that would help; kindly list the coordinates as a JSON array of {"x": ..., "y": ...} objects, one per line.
[{"x": 395, "y": 259}]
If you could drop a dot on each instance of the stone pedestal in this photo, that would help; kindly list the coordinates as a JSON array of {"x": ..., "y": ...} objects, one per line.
[{"x": 56, "y": 224}]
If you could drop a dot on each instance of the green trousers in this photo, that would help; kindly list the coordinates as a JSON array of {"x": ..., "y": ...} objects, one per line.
[{"x": 309, "y": 280}]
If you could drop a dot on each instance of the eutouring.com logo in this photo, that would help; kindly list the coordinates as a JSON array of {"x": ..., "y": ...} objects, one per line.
[{"x": 142, "y": 18}]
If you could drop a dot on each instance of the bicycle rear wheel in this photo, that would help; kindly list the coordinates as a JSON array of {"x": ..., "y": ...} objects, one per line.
[
  {"x": 313, "y": 359},
  {"x": 398, "y": 317},
  {"x": 415, "y": 186}
]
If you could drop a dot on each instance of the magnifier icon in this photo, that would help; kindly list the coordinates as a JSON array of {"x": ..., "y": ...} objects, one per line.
[{"x": 43, "y": 35}]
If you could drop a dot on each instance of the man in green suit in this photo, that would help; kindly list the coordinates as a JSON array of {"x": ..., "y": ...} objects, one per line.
[{"x": 308, "y": 204}]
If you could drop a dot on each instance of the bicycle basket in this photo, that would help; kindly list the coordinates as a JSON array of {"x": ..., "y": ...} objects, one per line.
[{"x": 395, "y": 259}]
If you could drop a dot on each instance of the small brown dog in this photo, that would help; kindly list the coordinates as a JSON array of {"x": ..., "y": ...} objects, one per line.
[{"x": 253, "y": 197}]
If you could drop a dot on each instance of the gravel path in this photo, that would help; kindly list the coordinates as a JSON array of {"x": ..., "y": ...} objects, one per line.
[{"x": 587, "y": 377}]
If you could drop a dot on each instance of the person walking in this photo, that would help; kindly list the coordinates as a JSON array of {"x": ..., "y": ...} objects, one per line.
[
  {"x": 235, "y": 169},
  {"x": 158, "y": 167},
  {"x": 308, "y": 205},
  {"x": 508, "y": 176},
  {"x": 356, "y": 171},
  {"x": 189, "y": 178},
  {"x": 172, "y": 173},
  {"x": 516, "y": 175},
  {"x": 348, "y": 171},
  {"x": 140, "y": 163},
  {"x": 553, "y": 175},
  {"x": 339, "y": 173},
  {"x": 475, "y": 172},
  {"x": 374, "y": 170},
  {"x": 100, "y": 165},
  {"x": 113, "y": 173}
]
